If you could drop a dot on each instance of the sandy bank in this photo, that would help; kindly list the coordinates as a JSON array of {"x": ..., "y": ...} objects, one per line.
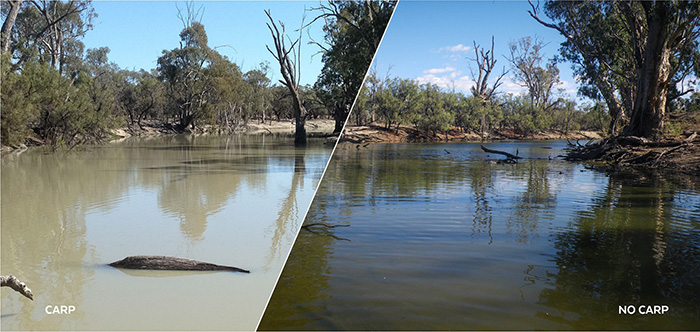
[{"x": 377, "y": 134}]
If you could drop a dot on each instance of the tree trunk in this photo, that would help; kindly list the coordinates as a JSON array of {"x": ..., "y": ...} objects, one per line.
[
  {"x": 300, "y": 133},
  {"x": 6, "y": 31},
  {"x": 647, "y": 118},
  {"x": 290, "y": 72},
  {"x": 339, "y": 116}
]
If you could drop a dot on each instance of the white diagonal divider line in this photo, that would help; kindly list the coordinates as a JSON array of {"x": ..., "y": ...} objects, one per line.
[{"x": 318, "y": 185}]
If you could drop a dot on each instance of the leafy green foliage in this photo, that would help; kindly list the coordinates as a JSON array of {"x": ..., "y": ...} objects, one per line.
[
  {"x": 353, "y": 31},
  {"x": 631, "y": 54},
  {"x": 392, "y": 102}
]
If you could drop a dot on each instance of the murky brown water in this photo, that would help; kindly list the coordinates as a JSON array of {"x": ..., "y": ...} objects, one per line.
[{"x": 228, "y": 200}]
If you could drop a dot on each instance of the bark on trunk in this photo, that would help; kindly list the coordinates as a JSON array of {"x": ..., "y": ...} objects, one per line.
[
  {"x": 6, "y": 31},
  {"x": 300, "y": 132},
  {"x": 647, "y": 118},
  {"x": 16, "y": 284},
  {"x": 340, "y": 117}
]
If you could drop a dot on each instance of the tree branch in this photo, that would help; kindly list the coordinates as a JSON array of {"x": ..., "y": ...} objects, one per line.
[{"x": 16, "y": 284}]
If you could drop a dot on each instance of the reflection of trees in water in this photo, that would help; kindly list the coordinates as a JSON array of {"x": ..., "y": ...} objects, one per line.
[
  {"x": 43, "y": 229},
  {"x": 390, "y": 172},
  {"x": 289, "y": 215},
  {"x": 45, "y": 200},
  {"x": 305, "y": 277},
  {"x": 482, "y": 186},
  {"x": 626, "y": 250},
  {"x": 536, "y": 200},
  {"x": 394, "y": 173},
  {"x": 210, "y": 175},
  {"x": 304, "y": 280}
]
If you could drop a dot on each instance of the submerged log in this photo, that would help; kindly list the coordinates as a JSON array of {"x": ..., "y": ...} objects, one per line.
[
  {"x": 170, "y": 263},
  {"x": 16, "y": 284}
]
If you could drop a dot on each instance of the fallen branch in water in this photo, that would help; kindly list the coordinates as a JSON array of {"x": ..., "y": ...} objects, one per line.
[
  {"x": 509, "y": 155},
  {"x": 307, "y": 226},
  {"x": 16, "y": 284},
  {"x": 324, "y": 231}
]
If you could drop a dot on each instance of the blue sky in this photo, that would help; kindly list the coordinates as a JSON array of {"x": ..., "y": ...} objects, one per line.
[
  {"x": 138, "y": 31},
  {"x": 430, "y": 41}
]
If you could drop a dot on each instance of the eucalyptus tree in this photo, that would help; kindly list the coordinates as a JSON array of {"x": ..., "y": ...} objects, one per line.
[
  {"x": 526, "y": 59},
  {"x": 48, "y": 30},
  {"x": 142, "y": 95},
  {"x": 629, "y": 53},
  {"x": 431, "y": 114},
  {"x": 399, "y": 100},
  {"x": 102, "y": 81},
  {"x": 260, "y": 94},
  {"x": 10, "y": 10},
  {"x": 353, "y": 31},
  {"x": 186, "y": 70}
]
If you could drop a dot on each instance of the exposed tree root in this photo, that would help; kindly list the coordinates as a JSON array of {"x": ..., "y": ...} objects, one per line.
[{"x": 682, "y": 154}]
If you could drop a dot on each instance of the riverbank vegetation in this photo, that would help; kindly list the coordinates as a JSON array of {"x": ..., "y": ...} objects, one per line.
[
  {"x": 393, "y": 102},
  {"x": 636, "y": 64},
  {"x": 56, "y": 92}
]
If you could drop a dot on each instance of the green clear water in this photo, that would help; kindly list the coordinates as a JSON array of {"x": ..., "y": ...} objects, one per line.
[
  {"x": 441, "y": 239},
  {"x": 235, "y": 200}
]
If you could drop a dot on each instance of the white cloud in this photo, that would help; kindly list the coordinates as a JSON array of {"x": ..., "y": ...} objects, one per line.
[
  {"x": 439, "y": 70},
  {"x": 462, "y": 83},
  {"x": 456, "y": 48},
  {"x": 568, "y": 87},
  {"x": 509, "y": 86}
]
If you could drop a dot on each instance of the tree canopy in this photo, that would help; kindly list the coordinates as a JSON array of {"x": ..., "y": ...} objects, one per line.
[
  {"x": 630, "y": 54},
  {"x": 353, "y": 30}
]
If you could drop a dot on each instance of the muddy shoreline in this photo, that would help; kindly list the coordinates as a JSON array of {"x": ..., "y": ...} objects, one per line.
[
  {"x": 679, "y": 154},
  {"x": 378, "y": 134},
  {"x": 314, "y": 128}
]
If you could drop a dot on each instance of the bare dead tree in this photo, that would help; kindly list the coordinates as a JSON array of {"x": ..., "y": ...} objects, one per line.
[
  {"x": 288, "y": 60},
  {"x": 482, "y": 89}
]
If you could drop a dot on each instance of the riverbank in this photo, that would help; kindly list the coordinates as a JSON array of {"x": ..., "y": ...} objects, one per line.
[
  {"x": 378, "y": 134},
  {"x": 678, "y": 154},
  {"x": 314, "y": 128}
]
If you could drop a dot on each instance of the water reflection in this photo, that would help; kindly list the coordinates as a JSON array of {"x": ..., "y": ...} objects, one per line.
[
  {"x": 635, "y": 246},
  {"x": 444, "y": 241},
  {"x": 233, "y": 201}
]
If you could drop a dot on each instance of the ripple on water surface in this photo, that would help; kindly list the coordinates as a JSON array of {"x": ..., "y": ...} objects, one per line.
[{"x": 442, "y": 240}]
